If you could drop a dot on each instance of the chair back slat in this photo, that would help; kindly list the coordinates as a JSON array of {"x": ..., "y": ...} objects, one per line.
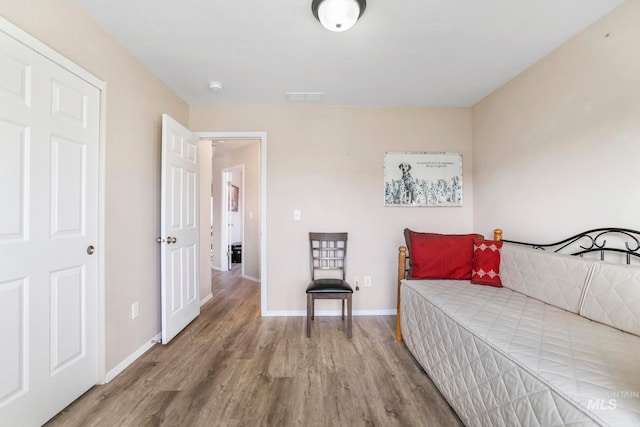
[{"x": 328, "y": 253}]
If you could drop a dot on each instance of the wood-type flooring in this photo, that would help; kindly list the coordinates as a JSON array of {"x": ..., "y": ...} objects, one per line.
[{"x": 231, "y": 367}]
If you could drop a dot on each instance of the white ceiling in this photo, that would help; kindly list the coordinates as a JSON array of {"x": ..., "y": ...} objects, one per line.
[{"x": 401, "y": 52}]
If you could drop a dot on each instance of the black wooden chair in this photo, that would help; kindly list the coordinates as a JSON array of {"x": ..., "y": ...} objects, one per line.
[{"x": 328, "y": 260}]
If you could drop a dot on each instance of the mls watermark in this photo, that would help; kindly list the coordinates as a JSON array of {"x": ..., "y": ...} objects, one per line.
[
  {"x": 609, "y": 400},
  {"x": 602, "y": 404}
]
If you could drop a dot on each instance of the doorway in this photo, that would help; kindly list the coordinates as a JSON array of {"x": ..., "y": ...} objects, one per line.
[{"x": 254, "y": 208}]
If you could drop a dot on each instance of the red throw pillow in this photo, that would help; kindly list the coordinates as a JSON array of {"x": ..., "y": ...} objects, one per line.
[
  {"x": 440, "y": 256},
  {"x": 486, "y": 263}
]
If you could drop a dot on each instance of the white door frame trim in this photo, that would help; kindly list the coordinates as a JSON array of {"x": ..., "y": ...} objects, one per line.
[
  {"x": 44, "y": 50},
  {"x": 262, "y": 136}
]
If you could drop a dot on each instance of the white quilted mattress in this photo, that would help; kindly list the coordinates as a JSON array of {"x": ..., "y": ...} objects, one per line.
[{"x": 504, "y": 359}]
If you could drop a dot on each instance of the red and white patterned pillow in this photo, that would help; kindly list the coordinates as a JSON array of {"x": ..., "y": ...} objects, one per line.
[{"x": 486, "y": 263}]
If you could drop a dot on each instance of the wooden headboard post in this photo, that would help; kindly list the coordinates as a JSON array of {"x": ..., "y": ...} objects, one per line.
[
  {"x": 402, "y": 274},
  {"x": 497, "y": 234}
]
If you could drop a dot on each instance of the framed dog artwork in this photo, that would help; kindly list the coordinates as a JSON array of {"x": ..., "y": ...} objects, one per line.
[
  {"x": 422, "y": 179},
  {"x": 233, "y": 198}
]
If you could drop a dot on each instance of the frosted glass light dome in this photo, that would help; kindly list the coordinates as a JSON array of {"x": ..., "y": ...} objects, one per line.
[{"x": 338, "y": 15}]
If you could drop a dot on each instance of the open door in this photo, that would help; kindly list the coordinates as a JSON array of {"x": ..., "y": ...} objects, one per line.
[{"x": 179, "y": 228}]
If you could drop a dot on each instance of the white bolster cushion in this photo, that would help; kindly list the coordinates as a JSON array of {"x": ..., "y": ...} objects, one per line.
[
  {"x": 556, "y": 279},
  {"x": 613, "y": 297}
]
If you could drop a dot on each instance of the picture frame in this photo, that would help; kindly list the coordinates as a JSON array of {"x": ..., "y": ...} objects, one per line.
[
  {"x": 234, "y": 193},
  {"x": 422, "y": 179}
]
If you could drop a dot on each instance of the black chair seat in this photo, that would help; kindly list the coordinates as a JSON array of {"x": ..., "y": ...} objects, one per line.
[{"x": 329, "y": 286}]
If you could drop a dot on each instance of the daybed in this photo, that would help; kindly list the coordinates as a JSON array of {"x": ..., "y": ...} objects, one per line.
[{"x": 558, "y": 344}]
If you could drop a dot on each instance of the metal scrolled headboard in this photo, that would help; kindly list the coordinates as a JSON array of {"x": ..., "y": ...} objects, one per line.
[{"x": 600, "y": 240}]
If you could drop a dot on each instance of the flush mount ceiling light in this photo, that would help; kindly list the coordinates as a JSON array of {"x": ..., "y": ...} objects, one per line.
[
  {"x": 215, "y": 86},
  {"x": 338, "y": 15}
]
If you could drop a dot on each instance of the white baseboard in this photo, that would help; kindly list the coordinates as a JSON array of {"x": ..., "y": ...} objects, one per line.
[
  {"x": 132, "y": 358},
  {"x": 253, "y": 279},
  {"x": 216, "y": 268},
  {"x": 388, "y": 312},
  {"x": 206, "y": 299}
]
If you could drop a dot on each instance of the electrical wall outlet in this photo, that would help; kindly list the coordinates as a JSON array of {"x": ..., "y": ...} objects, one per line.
[
  {"x": 135, "y": 310},
  {"x": 297, "y": 215},
  {"x": 367, "y": 281}
]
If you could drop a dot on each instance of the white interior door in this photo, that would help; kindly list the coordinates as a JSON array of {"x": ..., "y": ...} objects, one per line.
[
  {"x": 49, "y": 136},
  {"x": 179, "y": 223}
]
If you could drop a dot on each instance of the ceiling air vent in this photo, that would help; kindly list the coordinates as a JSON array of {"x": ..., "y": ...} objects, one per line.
[{"x": 305, "y": 96}]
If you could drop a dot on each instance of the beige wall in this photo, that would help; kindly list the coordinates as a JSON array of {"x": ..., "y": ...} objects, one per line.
[
  {"x": 327, "y": 162},
  {"x": 556, "y": 150},
  {"x": 135, "y": 101},
  {"x": 248, "y": 156}
]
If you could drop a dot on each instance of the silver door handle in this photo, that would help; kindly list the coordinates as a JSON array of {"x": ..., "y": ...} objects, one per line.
[
  {"x": 171, "y": 240},
  {"x": 91, "y": 250},
  {"x": 160, "y": 240}
]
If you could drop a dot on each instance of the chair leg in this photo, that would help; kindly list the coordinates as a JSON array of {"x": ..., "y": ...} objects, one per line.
[
  {"x": 309, "y": 314},
  {"x": 349, "y": 321},
  {"x": 313, "y": 307},
  {"x": 342, "y": 302}
]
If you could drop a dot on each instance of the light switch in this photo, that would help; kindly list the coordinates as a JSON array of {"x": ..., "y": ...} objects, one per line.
[{"x": 297, "y": 215}]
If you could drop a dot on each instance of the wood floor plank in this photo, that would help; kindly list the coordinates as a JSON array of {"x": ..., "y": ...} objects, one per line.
[{"x": 231, "y": 367}]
